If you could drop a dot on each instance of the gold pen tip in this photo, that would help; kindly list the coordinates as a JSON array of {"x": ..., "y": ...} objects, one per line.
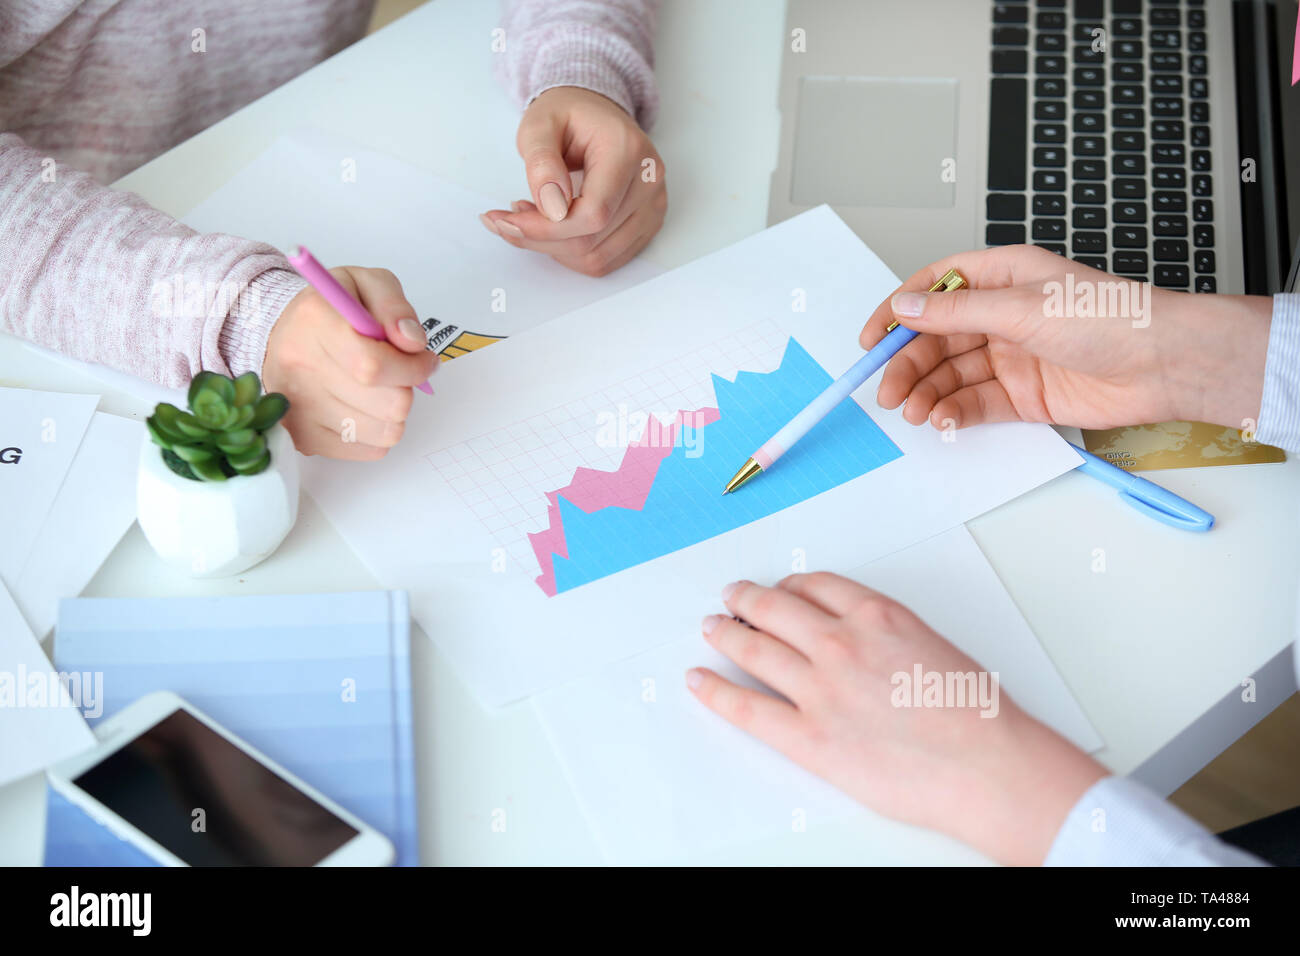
[{"x": 747, "y": 471}]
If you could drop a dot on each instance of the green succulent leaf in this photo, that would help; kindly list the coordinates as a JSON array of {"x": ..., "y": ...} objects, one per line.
[
  {"x": 178, "y": 465},
  {"x": 237, "y": 440},
  {"x": 190, "y": 427},
  {"x": 270, "y": 409},
  {"x": 194, "y": 454},
  {"x": 165, "y": 418},
  {"x": 244, "y": 456},
  {"x": 210, "y": 381},
  {"x": 258, "y": 464},
  {"x": 247, "y": 388},
  {"x": 212, "y": 410},
  {"x": 160, "y": 434},
  {"x": 244, "y": 417},
  {"x": 208, "y": 470}
]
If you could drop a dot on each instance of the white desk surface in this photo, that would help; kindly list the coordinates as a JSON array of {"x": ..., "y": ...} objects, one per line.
[{"x": 1170, "y": 628}]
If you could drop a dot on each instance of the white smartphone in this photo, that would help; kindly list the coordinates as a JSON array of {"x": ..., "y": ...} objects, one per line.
[{"x": 170, "y": 780}]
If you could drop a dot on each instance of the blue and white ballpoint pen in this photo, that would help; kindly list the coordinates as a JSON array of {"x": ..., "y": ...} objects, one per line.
[
  {"x": 1146, "y": 496},
  {"x": 896, "y": 337}
]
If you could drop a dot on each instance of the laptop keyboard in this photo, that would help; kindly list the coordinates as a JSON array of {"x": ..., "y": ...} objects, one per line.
[{"x": 1099, "y": 136}]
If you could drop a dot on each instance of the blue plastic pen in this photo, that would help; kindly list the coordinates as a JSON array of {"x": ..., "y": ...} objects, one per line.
[{"x": 1146, "y": 496}]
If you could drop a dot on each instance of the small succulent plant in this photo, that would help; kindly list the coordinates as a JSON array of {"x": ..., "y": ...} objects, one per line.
[{"x": 223, "y": 433}]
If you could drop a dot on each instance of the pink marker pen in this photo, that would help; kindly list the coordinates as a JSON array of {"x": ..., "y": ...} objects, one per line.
[{"x": 348, "y": 307}]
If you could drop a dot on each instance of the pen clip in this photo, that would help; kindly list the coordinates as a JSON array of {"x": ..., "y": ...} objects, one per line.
[{"x": 1188, "y": 522}]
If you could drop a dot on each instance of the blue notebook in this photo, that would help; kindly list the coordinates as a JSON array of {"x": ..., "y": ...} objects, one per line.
[{"x": 320, "y": 683}]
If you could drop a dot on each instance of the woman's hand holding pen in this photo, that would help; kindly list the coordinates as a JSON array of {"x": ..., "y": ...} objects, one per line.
[
  {"x": 348, "y": 395},
  {"x": 1040, "y": 338},
  {"x": 831, "y": 647}
]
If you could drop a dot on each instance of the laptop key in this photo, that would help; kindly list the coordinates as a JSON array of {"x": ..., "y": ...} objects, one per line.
[
  {"x": 1089, "y": 76},
  {"x": 1010, "y": 36},
  {"x": 1203, "y": 236},
  {"x": 1204, "y": 260},
  {"x": 1198, "y": 64},
  {"x": 1125, "y": 72},
  {"x": 1089, "y": 169},
  {"x": 1167, "y": 83},
  {"x": 1129, "y": 237},
  {"x": 1049, "y": 156},
  {"x": 1056, "y": 247},
  {"x": 1010, "y": 13},
  {"x": 1050, "y": 20},
  {"x": 1004, "y": 233},
  {"x": 1127, "y": 95},
  {"x": 1172, "y": 277},
  {"x": 1089, "y": 217},
  {"x": 1089, "y": 99},
  {"x": 1196, "y": 41},
  {"x": 1126, "y": 49},
  {"x": 1049, "y": 181},
  {"x": 1127, "y": 263},
  {"x": 1167, "y": 106},
  {"x": 1049, "y": 65},
  {"x": 1171, "y": 250},
  {"x": 1205, "y": 284},
  {"x": 1004, "y": 207},
  {"x": 1169, "y": 224},
  {"x": 1166, "y": 39},
  {"x": 1168, "y": 154},
  {"x": 1164, "y": 17},
  {"x": 1050, "y": 43},
  {"x": 1010, "y": 61},
  {"x": 1130, "y": 189},
  {"x": 1128, "y": 141},
  {"x": 1092, "y": 262},
  {"x": 1089, "y": 123},
  {"x": 1088, "y": 242},
  {"x": 1201, "y": 136},
  {"x": 1049, "y": 110},
  {"x": 1128, "y": 117},
  {"x": 1049, "y": 87},
  {"x": 1049, "y": 134},
  {"x": 1129, "y": 211},
  {"x": 1089, "y": 194},
  {"x": 1130, "y": 164},
  {"x": 1087, "y": 56},
  {"x": 1203, "y": 210},
  {"x": 1089, "y": 145},
  {"x": 1049, "y": 205},
  {"x": 1199, "y": 112},
  {"x": 1196, "y": 19},
  {"x": 1126, "y": 27},
  {"x": 1202, "y": 186},
  {"x": 1169, "y": 202},
  {"x": 1168, "y": 177},
  {"x": 1198, "y": 88},
  {"x": 1009, "y": 112},
  {"x": 1164, "y": 62}
]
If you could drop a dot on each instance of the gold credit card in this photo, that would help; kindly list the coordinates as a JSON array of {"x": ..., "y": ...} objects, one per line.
[{"x": 1176, "y": 445}]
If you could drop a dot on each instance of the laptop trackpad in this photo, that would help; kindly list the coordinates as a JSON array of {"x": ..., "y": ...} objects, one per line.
[{"x": 868, "y": 141}]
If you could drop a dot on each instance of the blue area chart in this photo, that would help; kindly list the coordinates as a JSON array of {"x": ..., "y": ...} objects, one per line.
[{"x": 685, "y": 504}]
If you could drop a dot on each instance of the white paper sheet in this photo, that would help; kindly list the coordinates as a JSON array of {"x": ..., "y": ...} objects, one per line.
[
  {"x": 40, "y": 433},
  {"x": 353, "y": 206},
  {"x": 659, "y": 776},
  {"x": 472, "y": 595},
  {"x": 94, "y": 508},
  {"x": 39, "y": 724}
]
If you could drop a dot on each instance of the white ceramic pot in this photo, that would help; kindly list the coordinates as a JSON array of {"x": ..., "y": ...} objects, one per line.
[{"x": 215, "y": 528}]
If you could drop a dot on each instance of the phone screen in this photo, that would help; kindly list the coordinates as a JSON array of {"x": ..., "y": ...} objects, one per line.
[{"x": 205, "y": 800}]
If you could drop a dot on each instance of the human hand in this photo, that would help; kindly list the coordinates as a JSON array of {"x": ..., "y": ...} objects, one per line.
[
  {"x": 833, "y": 648},
  {"x": 348, "y": 395},
  {"x": 1025, "y": 342},
  {"x": 622, "y": 196}
]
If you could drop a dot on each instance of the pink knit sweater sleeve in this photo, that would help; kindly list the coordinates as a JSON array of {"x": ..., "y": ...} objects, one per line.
[
  {"x": 101, "y": 275},
  {"x": 606, "y": 46}
]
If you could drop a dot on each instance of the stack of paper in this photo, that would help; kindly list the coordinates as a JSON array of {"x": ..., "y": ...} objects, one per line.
[{"x": 67, "y": 495}]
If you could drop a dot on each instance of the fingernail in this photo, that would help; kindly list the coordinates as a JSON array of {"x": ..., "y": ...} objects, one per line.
[
  {"x": 910, "y": 304},
  {"x": 488, "y": 224},
  {"x": 551, "y": 197},
  {"x": 509, "y": 229},
  {"x": 730, "y": 589},
  {"x": 709, "y": 623},
  {"x": 694, "y": 678},
  {"x": 413, "y": 331}
]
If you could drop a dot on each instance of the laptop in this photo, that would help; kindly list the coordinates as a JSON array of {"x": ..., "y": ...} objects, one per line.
[{"x": 1147, "y": 138}]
